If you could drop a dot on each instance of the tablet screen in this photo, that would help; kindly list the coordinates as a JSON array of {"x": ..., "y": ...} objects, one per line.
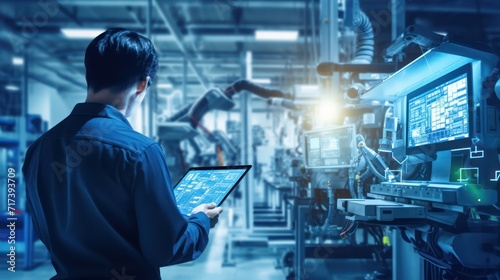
[{"x": 206, "y": 185}]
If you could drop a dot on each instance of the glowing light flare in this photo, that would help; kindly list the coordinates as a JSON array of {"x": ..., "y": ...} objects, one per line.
[{"x": 327, "y": 111}]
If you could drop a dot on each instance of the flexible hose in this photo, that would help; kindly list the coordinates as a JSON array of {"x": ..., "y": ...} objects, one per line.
[
  {"x": 365, "y": 175},
  {"x": 352, "y": 191},
  {"x": 366, "y": 45}
]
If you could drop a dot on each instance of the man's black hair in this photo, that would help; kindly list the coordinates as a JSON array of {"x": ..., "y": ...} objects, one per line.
[{"x": 119, "y": 58}]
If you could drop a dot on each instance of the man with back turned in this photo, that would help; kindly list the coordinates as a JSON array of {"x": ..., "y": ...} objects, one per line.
[{"x": 100, "y": 193}]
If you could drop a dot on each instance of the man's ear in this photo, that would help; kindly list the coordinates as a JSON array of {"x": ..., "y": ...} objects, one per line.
[{"x": 142, "y": 85}]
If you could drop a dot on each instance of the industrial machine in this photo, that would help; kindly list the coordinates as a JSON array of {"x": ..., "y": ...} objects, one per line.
[
  {"x": 447, "y": 124},
  {"x": 189, "y": 143},
  {"x": 184, "y": 125},
  {"x": 409, "y": 172}
]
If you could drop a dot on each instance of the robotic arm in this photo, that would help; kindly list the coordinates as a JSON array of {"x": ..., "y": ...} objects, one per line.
[{"x": 216, "y": 99}]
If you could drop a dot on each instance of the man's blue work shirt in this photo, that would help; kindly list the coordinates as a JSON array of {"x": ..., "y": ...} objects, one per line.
[{"x": 101, "y": 200}]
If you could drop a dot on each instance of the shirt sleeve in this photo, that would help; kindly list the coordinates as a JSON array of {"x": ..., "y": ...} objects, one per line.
[{"x": 165, "y": 235}]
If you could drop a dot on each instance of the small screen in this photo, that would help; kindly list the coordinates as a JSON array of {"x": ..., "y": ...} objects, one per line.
[
  {"x": 440, "y": 114},
  {"x": 206, "y": 186},
  {"x": 330, "y": 148}
]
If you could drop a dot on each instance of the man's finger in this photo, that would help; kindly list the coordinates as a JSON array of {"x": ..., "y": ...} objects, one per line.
[
  {"x": 218, "y": 209},
  {"x": 211, "y": 205}
]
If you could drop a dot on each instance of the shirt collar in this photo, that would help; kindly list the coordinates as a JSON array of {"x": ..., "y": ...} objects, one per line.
[{"x": 99, "y": 110}]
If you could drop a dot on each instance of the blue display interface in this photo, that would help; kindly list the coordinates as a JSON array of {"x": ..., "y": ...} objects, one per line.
[
  {"x": 205, "y": 186},
  {"x": 440, "y": 114}
]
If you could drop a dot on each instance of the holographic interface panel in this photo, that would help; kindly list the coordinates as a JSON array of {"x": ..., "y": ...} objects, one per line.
[
  {"x": 206, "y": 185},
  {"x": 441, "y": 114}
]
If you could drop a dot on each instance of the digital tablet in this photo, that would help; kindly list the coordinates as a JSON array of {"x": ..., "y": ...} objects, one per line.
[{"x": 207, "y": 184}]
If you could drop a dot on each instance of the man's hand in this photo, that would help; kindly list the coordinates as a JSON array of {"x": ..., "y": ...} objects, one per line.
[{"x": 210, "y": 210}]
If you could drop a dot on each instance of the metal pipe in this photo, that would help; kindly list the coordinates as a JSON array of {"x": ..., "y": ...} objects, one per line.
[
  {"x": 68, "y": 14},
  {"x": 184, "y": 92},
  {"x": 166, "y": 17},
  {"x": 314, "y": 40},
  {"x": 305, "y": 52},
  {"x": 398, "y": 12},
  {"x": 149, "y": 18},
  {"x": 152, "y": 95},
  {"x": 329, "y": 40},
  {"x": 133, "y": 15},
  {"x": 188, "y": 18},
  {"x": 300, "y": 244},
  {"x": 184, "y": 80},
  {"x": 217, "y": 4},
  {"x": 246, "y": 140},
  {"x": 467, "y": 7},
  {"x": 420, "y": 6}
]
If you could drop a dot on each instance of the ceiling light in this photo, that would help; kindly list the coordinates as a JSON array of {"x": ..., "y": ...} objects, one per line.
[
  {"x": 17, "y": 60},
  {"x": 12, "y": 87},
  {"x": 164, "y": 86},
  {"x": 81, "y": 33},
  {"x": 261, "y": 81},
  {"x": 270, "y": 35}
]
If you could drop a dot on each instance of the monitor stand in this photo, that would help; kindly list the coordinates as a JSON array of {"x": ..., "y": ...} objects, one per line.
[{"x": 441, "y": 167}]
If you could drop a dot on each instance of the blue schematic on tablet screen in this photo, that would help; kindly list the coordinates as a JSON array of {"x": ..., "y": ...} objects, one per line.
[{"x": 206, "y": 186}]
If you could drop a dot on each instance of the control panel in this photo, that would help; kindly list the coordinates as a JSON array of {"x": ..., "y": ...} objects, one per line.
[{"x": 463, "y": 194}]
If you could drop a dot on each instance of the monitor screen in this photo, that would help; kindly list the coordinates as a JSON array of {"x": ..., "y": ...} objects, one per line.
[
  {"x": 439, "y": 114},
  {"x": 207, "y": 184},
  {"x": 330, "y": 148}
]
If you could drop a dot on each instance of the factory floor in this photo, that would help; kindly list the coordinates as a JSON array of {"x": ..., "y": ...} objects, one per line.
[{"x": 251, "y": 263}]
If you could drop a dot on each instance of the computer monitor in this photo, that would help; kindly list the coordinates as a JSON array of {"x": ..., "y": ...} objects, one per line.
[
  {"x": 439, "y": 114},
  {"x": 330, "y": 147}
]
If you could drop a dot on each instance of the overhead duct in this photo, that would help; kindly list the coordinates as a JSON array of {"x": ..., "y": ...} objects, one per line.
[
  {"x": 358, "y": 21},
  {"x": 365, "y": 48}
]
